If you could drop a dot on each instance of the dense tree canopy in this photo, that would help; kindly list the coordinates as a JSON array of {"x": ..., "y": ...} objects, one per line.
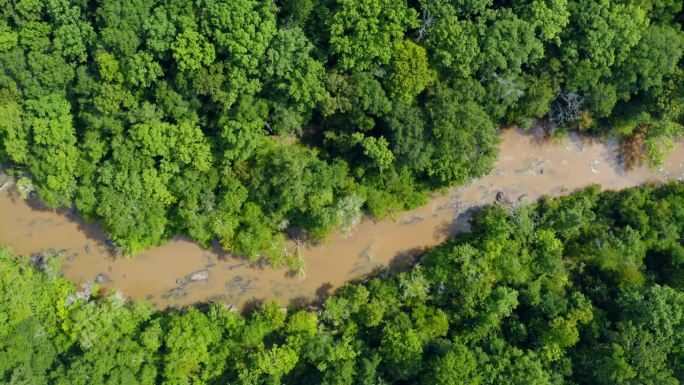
[
  {"x": 583, "y": 289},
  {"x": 186, "y": 117}
]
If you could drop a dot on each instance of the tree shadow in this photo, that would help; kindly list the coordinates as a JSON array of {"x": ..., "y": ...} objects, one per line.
[
  {"x": 251, "y": 305},
  {"x": 323, "y": 292},
  {"x": 313, "y": 303},
  {"x": 299, "y": 303},
  {"x": 92, "y": 231},
  {"x": 404, "y": 260},
  {"x": 460, "y": 223},
  {"x": 218, "y": 251},
  {"x": 614, "y": 158},
  {"x": 223, "y": 256},
  {"x": 538, "y": 132}
]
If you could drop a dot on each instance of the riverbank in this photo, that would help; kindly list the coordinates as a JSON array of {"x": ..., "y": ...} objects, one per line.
[
  {"x": 181, "y": 272},
  {"x": 5, "y": 180}
]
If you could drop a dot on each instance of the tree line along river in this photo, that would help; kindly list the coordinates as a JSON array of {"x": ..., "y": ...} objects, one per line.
[{"x": 181, "y": 272}]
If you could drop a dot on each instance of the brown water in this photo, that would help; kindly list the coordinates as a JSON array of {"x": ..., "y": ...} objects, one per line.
[{"x": 526, "y": 170}]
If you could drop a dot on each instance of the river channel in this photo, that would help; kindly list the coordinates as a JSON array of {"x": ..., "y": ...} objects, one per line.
[{"x": 181, "y": 272}]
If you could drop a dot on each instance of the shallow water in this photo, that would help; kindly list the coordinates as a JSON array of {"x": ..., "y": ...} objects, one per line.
[{"x": 525, "y": 170}]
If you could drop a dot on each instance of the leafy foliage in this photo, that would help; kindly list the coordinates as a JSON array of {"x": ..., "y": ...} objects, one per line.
[
  {"x": 583, "y": 289},
  {"x": 171, "y": 117}
]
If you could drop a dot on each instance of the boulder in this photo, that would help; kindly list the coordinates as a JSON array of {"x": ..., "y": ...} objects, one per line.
[
  {"x": 102, "y": 278},
  {"x": 201, "y": 275},
  {"x": 505, "y": 199}
]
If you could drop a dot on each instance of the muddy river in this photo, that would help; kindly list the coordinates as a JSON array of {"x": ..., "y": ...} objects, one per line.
[{"x": 180, "y": 272}]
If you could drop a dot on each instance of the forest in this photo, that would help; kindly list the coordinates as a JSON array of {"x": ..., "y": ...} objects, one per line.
[
  {"x": 582, "y": 289},
  {"x": 244, "y": 122}
]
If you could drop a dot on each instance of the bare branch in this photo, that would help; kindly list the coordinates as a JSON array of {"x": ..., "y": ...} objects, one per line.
[
  {"x": 567, "y": 108},
  {"x": 426, "y": 24}
]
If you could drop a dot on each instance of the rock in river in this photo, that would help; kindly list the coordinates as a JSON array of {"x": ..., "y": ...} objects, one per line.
[
  {"x": 102, "y": 278},
  {"x": 201, "y": 275},
  {"x": 505, "y": 198}
]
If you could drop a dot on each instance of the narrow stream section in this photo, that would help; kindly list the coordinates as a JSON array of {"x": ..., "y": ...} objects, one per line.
[{"x": 181, "y": 272}]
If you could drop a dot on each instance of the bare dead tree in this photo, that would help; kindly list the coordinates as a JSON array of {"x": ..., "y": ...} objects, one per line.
[
  {"x": 426, "y": 24},
  {"x": 300, "y": 271},
  {"x": 84, "y": 294},
  {"x": 508, "y": 86},
  {"x": 567, "y": 108}
]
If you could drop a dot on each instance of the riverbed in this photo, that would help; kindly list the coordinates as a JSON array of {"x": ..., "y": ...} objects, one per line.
[{"x": 181, "y": 272}]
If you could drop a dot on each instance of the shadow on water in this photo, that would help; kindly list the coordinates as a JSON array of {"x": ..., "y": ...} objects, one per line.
[
  {"x": 92, "y": 231},
  {"x": 530, "y": 166},
  {"x": 404, "y": 259},
  {"x": 251, "y": 305},
  {"x": 323, "y": 292},
  {"x": 614, "y": 160},
  {"x": 218, "y": 250},
  {"x": 460, "y": 224},
  {"x": 538, "y": 132},
  {"x": 539, "y": 136},
  {"x": 298, "y": 303},
  {"x": 303, "y": 302}
]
